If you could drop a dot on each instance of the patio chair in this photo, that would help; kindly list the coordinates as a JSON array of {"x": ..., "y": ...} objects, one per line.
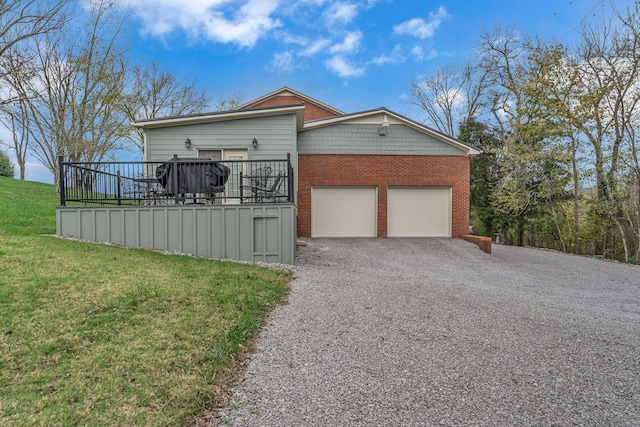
[
  {"x": 257, "y": 181},
  {"x": 144, "y": 189},
  {"x": 263, "y": 186},
  {"x": 272, "y": 192},
  {"x": 132, "y": 189},
  {"x": 154, "y": 194}
]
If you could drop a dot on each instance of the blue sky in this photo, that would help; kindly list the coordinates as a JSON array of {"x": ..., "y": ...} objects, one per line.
[{"x": 352, "y": 54}]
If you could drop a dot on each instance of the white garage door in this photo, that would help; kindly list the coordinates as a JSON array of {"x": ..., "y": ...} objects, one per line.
[
  {"x": 419, "y": 212},
  {"x": 343, "y": 212}
]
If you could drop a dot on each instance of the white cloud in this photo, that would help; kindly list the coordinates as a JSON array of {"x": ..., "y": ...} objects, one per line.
[
  {"x": 419, "y": 54},
  {"x": 343, "y": 68},
  {"x": 420, "y": 28},
  {"x": 340, "y": 13},
  {"x": 396, "y": 57},
  {"x": 382, "y": 60},
  {"x": 282, "y": 62},
  {"x": 292, "y": 38},
  {"x": 351, "y": 43},
  {"x": 243, "y": 25},
  {"x": 311, "y": 2},
  {"x": 315, "y": 47},
  {"x": 370, "y": 3}
]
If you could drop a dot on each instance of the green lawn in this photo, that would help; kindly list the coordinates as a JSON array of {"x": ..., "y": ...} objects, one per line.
[{"x": 100, "y": 335}]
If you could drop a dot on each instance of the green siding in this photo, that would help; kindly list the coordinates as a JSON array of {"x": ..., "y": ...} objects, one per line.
[
  {"x": 250, "y": 233},
  {"x": 276, "y": 137},
  {"x": 364, "y": 139}
]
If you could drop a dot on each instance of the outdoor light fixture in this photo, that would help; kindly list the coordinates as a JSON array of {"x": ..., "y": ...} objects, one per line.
[
  {"x": 187, "y": 143},
  {"x": 382, "y": 130},
  {"x": 255, "y": 143}
]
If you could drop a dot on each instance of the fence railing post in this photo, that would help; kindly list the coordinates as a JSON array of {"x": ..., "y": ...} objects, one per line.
[
  {"x": 174, "y": 175},
  {"x": 289, "y": 179},
  {"x": 61, "y": 180},
  {"x": 118, "y": 195}
]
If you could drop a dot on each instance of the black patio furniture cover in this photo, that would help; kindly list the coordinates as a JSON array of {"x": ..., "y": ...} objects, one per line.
[{"x": 195, "y": 175}]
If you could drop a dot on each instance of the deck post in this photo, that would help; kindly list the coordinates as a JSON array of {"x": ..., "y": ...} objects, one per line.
[
  {"x": 118, "y": 195},
  {"x": 175, "y": 177},
  {"x": 61, "y": 180},
  {"x": 289, "y": 179}
]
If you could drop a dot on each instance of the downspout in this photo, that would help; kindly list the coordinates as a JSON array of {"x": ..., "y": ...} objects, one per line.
[{"x": 144, "y": 146}]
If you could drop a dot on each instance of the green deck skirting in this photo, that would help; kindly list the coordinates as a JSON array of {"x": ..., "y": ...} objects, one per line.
[{"x": 239, "y": 232}]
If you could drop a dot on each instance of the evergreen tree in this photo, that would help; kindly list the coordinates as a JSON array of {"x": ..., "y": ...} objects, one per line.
[
  {"x": 6, "y": 166},
  {"x": 484, "y": 173}
]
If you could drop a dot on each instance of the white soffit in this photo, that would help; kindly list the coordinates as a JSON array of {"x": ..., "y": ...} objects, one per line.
[{"x": 298, "y": 110}]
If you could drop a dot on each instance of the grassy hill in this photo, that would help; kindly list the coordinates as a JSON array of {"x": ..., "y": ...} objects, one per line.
[
  {"x": 27, "y": 208},
  {"x": 95, "y": 334}
]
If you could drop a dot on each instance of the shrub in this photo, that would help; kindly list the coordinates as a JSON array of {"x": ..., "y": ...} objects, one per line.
[{"x": 6, "y": 166}]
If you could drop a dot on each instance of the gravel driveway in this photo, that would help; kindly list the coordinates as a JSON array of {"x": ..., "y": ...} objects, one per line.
[{"x": 434, "y": 332}]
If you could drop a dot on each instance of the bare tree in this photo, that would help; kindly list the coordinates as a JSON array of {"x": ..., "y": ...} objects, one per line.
[
  {"x": 449, "y": 96},
  {"x": 17, "y": 121},
  {"x": 74, "y": 97},
  {"x": 628, "y": 87},
  {"x": 14, "y": 115},
  {"x": 503, "y": 57},
  {"x": 534, "y": 171},
  {"x": 475, "y": 85},
  {"x": 21, "y": 20},
  {"x": 227, "y": 104},
  {"x": 605, "y": 111},
  {"x": 157, "y": 93}
]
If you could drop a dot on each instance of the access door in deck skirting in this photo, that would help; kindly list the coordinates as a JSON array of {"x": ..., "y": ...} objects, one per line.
[
  {"x": 419, "y": 212},
  {"x": 344, "y": 211}
]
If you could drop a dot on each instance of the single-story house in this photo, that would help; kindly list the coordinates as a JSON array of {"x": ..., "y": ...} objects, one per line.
[
  {"x": 277, "y": 168},
  {"x": 372, "y": 173}
]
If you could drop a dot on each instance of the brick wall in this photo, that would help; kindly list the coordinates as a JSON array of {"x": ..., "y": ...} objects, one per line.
[
  {"x": 383, "y": 171},
  {"x": 484, "y": 243},
  {"x": 311, "y": 111}
]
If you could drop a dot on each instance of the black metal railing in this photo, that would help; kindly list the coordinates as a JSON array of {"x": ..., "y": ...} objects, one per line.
[{"x": 176, "y": 181}]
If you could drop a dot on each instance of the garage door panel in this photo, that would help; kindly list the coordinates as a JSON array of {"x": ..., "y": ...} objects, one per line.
[
  {"x": 343, "y": 212},
  {"x": 419, "y": 212}
]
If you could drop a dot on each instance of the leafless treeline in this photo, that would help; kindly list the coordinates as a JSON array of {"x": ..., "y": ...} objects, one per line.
[{"x": 68, "y": 86}]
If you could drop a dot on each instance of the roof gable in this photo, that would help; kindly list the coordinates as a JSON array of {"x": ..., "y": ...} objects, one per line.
[{"x": 314, "y": 109}]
